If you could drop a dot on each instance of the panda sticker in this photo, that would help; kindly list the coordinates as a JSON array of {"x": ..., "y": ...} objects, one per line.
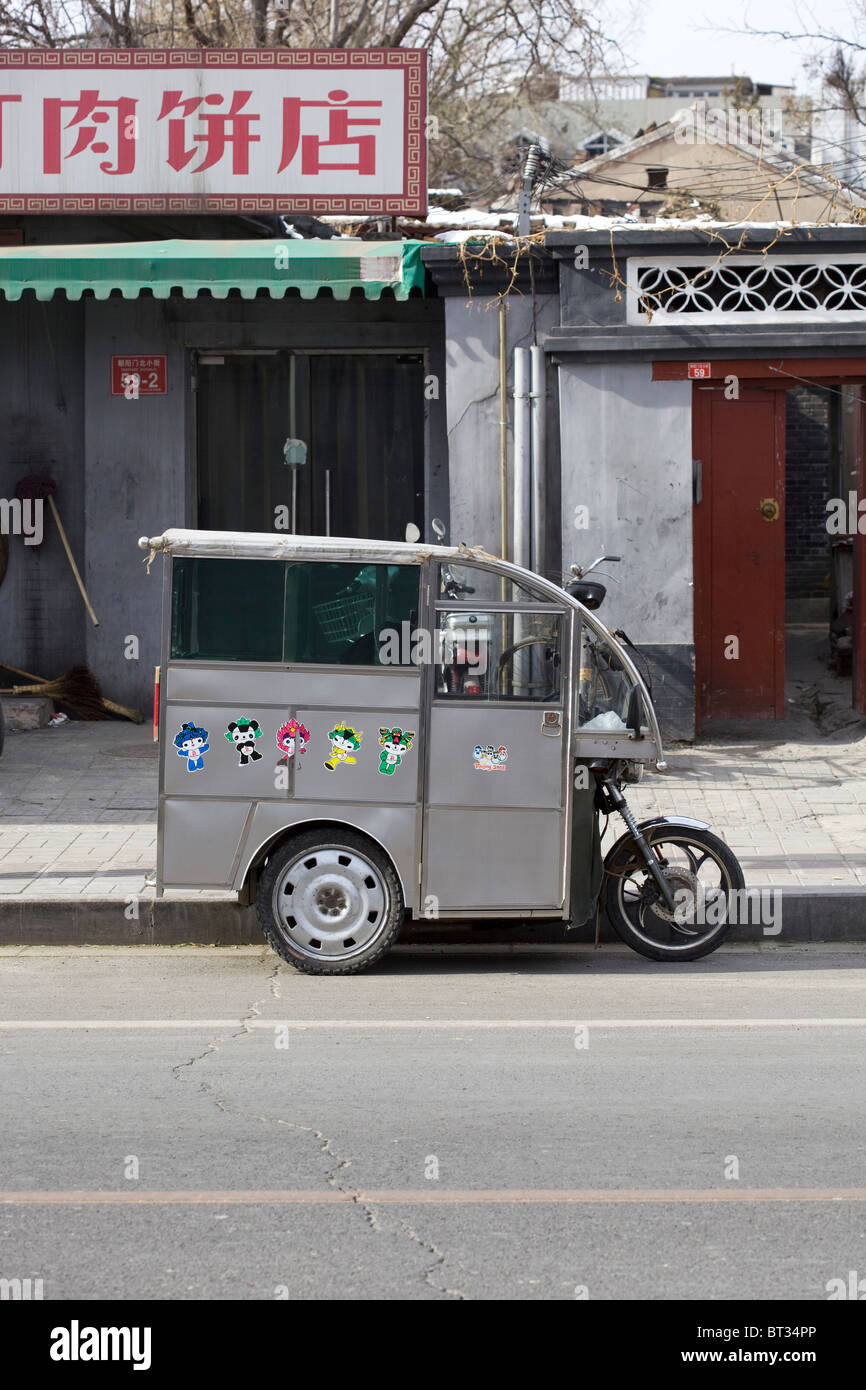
[{"x": 243, "y": 733}]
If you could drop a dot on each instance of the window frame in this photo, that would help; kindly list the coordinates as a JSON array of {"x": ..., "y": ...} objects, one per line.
[
  {"x": 566, "y": 630},
  {"x": 234, "y": 663}
]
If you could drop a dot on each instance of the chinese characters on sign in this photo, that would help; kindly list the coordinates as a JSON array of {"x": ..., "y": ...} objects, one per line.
[
  {"x": 700, "y": 371},
  {"x": 138, "y": 376},
  {"x": 217, "y": 130}
]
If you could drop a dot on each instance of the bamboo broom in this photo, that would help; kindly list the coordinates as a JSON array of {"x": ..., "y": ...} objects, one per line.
[{"x": 78, "y": 688}]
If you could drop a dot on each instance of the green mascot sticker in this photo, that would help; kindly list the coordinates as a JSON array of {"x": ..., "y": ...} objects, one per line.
[{"x": 395, "y": 744}]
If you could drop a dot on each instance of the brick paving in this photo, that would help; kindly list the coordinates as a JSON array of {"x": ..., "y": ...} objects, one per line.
[
  {"x": 78, "y": 807},
  {"x": 78, "y": 812}
]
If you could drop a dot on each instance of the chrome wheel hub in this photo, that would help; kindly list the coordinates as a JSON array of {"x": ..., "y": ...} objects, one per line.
[{"x": 330, "y": 903}]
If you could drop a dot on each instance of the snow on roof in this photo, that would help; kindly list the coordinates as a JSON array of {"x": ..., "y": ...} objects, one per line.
[
  {"x": 551, "y": 222},
  {"x": 478, "y": 224}
]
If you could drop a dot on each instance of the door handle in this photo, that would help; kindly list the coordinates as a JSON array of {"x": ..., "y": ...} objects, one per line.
[
  {"x": 697, "y": 481},
  {"x": 769, "y": 509},
  {"x": 551, "y": 723}
]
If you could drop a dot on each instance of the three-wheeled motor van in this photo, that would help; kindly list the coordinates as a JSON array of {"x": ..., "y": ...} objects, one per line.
[{"x": 356, "y": 731}]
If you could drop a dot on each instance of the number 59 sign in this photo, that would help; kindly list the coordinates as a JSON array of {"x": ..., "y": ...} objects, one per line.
[{"x": 138, "y": 376}]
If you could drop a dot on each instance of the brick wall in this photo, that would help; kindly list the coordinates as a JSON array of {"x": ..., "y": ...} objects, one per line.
[{"x": 807, "y": 550}]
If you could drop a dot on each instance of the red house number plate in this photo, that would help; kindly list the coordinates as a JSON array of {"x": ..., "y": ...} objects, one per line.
[{"x": 138, "y": 376}]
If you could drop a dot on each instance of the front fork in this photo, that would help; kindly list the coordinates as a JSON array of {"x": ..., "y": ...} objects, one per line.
[{"x": 612, "y": 799}]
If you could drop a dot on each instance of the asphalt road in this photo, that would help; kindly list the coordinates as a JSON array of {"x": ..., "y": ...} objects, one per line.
[{"x": 197, "y": 1123}]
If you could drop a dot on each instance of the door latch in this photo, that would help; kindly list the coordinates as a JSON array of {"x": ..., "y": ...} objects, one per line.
[
  {"x": 769, "y": 509},
  {"x": 551, "y": 723}
]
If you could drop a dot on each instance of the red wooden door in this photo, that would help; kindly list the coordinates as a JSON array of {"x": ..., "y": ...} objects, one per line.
[
  {"x": 739, "y": 552},
  {"x": 858, "y": 620}
]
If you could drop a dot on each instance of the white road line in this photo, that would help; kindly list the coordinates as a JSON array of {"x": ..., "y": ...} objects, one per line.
[
  {"x": 409, "y": 1024},
  {"x": 430, "y": 1197}
]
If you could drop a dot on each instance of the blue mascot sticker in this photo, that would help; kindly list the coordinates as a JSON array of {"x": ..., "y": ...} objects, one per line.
[{"x": 191, "y": 743}]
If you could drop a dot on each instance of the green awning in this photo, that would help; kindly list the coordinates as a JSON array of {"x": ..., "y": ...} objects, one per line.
[{"x": 215, "y": 267}]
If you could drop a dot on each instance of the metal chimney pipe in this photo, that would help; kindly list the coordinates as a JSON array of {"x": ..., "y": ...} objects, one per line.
[
  {"x": 538, "y": 408},
  {"x": 521, "y": 472}
]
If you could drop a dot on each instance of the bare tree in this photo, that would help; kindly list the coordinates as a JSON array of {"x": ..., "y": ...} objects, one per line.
[
  {"x": 836, "y": 57},
  {"x": 485, "y": 55}
]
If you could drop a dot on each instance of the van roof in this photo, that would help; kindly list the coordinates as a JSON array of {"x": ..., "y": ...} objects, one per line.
[{"x": 272, "y": 545}]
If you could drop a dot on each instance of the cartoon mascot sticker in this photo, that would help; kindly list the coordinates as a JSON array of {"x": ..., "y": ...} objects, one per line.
[
  {"x": 395, "y": 744},
  {"x": 489, "y": 758},
  {"x": 243, "y": 733},
  {"x": 191, "y": 743},
  {"x": 292, "y": 736},
  {"x": 345, "y": 742}
]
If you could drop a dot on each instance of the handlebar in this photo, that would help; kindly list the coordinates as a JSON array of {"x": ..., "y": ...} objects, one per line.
[{"x": 580, "y": 570}]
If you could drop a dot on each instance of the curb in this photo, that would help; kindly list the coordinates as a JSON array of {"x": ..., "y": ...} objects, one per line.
[{"x": 813, "y": 914}]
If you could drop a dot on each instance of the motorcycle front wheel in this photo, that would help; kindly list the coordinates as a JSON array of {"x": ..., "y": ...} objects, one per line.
[{"x": 707, "y": 883}]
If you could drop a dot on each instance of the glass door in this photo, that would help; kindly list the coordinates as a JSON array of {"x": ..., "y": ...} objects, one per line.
[{"x": 361, "y": 417}]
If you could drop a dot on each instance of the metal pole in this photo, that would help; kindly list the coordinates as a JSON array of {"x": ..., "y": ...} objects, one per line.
[
  {"x": 522, "y": 665},
  {"x": 292, "y": 381},
  {"x": 524, "y": 203},
  {"x": 520, "y": 527},
  {"x": 503, "y": 431},
  {"x": 327, "y": 501},
  {"x": 538, "y": 399}
]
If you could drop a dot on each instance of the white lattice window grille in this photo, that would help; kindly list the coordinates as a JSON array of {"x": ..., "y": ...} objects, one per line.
[{"x": 775, "y": 289}]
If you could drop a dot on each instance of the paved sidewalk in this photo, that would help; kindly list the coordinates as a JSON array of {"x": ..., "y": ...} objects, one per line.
[
  {"x": 78, "y": 808},
  {"x": 78, "y": 812}
]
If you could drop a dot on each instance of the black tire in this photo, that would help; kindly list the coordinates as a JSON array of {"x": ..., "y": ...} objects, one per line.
[
  {"x": 321, "y": 875},
  {"x": 639, "y": 917}
]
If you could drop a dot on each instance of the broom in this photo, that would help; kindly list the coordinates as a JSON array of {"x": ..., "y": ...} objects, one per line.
[
  {"x": 78, "y": 689},
  {"x": 36, "y": 487}
]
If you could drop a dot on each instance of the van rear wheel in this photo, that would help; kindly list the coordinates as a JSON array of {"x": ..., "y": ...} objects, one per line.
[{"x": 329, "y": 903}]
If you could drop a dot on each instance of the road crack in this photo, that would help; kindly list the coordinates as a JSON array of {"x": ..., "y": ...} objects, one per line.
[{"x": 338, "y": 1165}]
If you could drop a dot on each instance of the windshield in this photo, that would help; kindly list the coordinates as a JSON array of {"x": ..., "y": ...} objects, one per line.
[
  {"x": 604, "y": 687},
  {"x": 473, "y": 584}
]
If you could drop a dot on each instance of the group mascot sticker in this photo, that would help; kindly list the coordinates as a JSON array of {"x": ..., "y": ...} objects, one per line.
[{"x": 490, "y": 758}]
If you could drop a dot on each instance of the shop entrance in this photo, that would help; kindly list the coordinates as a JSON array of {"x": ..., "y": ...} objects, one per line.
[{"x": 361, "y": 416}]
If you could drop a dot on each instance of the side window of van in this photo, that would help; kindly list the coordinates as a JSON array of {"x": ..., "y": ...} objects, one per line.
[
  {"x": 227, "y": 610},
  {"x": 498, "y": 656},
  {"x": 311, "y": 611},
  {"x": 348, "y": 614}
]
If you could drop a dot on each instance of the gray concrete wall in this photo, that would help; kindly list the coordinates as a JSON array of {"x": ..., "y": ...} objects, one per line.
[
  {"x": 140, "y": 453},
  {"x": 472, "y": 390},
  {"x": 626, "y": 446},
  {"x": 42, "y": 616},
  {"x": 124, "y": 468},
  {"x": 134, "y": 485}
]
